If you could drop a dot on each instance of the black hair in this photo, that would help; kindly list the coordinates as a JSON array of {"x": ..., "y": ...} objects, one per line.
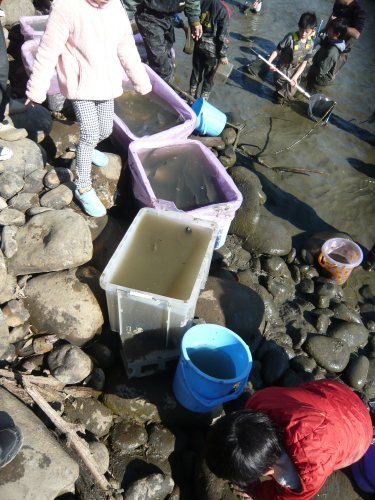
[
  {"x": 308, "y": 21},
  {"x": 242, "y": 446},
  {"x": 339, "y": 27}
]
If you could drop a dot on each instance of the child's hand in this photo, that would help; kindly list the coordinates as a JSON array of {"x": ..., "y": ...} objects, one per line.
[
  {"x": 29, "y": 102},
  {"x": 293, "y": 82},
  {"x": 224, "y": 60},
  {"x": 197, "y": 32},
  {"x": 273, "y": 67}
]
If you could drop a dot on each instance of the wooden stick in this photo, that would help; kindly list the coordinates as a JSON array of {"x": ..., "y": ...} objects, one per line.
[
  {"x": 74, "y": 441},
  {"x": 38, "y": 380}
]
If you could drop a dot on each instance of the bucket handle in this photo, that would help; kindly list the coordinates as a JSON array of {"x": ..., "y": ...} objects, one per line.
[
  {"x": 321, "y": 260},
  {"x": 208, "y": 402}
]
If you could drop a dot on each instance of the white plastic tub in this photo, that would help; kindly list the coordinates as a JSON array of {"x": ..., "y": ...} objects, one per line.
[
  {"x": 222, "y": 211},
  {"x": 33, "y": 27},
  {"x": 152, "y": 284}
]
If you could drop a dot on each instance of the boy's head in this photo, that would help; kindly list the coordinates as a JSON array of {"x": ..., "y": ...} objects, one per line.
[
  {"x": 307, "y": 24},
  {"x": 337, "y": 29},
  {"x": 243, "y": 446}
]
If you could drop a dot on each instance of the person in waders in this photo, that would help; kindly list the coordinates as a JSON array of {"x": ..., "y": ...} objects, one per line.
[{"x": 294, "y": 52}]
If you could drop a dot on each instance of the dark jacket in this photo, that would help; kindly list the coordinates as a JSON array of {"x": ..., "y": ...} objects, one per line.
[
  {"x": 325, "y": 427},
  {"x": 354, "y": 15},
  {"x": 215, "y": 24},
  {"x": 322, "y": 71},
  {"x": 190, "y": 7}
]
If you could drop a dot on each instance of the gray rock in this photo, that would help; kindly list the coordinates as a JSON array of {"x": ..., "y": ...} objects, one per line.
[
  {"x": 52, "y": 241},
  {"x": 346, "y": 313},
  {"x": 330, "y": 353},
  {"x": 276, "y": 267},
  {"x": 357, "y": 371},
  {"x": 69, "y": 364},
  {"x": 105, "y": 180},
  {"x": 126, "y": 437},
  {"x": 8, "y": 241},
  {"x": 10, "y": 184},
  {"x": 311, "y": 272},
  {"x": 57, "y": 198},
  {"x": 60, "y": 303},
  {"x": 229, "y": 136},
  {"x": 11, "y": 217},
  {"x": 274, "y": 364},
  {"x": 354, "y": 334},
  {"x": 15, "y": 313},
  {"x": 4, "y": 336},
  {"x": 289, "y": 259},
  {"x": 18, "y": 333},
  {"x": 100, "y": 454},
  {"x": 227, "y": 303},
  {"x": 227, "y": 161},
  {"x": 307, "y": 257},
  {"x": 27, "y": 157},
  {"x": 57, "y": 176},
  {"x": 303, "y": 363},
  {"x": 37, "y": 210},
  {"x": 41, "y": 468},
  {"x": 156, "y": 486},
  {"x": 34, "y": 181},
  {"x": 8, "y": 290},
  {"x": 161, "y": 443},
  {"x": 315, "y": 242},
  {"x": 35, "y": 119},
  {"x": 3, "y": 203},
  {"x": 369, "y": 389},
  {"x": 247, "y": 216},
  {"x": 89, "y": 412},
  {"x": 24, "y": 201},
  {"x": 63, "y": 135},
  {"x": 281, "y": 289},
  {"x": 16, "y": 8},
  {"x": 296, "y": 274},
  {"x": 96, "y": 379},
  {"x": 3, "y": 269},
  {"x": 102, "y": 354}
]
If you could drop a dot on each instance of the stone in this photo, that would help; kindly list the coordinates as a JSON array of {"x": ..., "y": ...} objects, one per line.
[
  {"x": 327, "y": 289},
  {"x": 8, "y": 241},
  {"x": 357, "y": 371},
  {"x": 346, "y": 313},
  {"x": 34, "y": 182},
  {"x": 27, "y": 157},
  {"x": 51, "y": 241},
  {"x": 161, "y": 443},
  {"x": 281, "y": 289},
  {"x": 229, "y": 136},
  {"x": 41, "y": 468},
  {"x": 18, "y": 333},
  {"x": 156, "y": 486},
  {"x": 296, "y": 274},
  {"x": 102, "y": 355},
  {"x": 274, "y": 363},
  {"x": 37, "y": 210},
  {"x": 289, "y": 259},
  {"x": 247, "y": 216},
  {"x": 367, "y": 312},
  {"x": 33, "y": 363},
  {"x": 89, "y": 412},
  {"x": 100, "y": 454},
  {"x": 4, "y": 336},
  {"x": 15, "y": 313},
  {"x": 60, "y": 303},
  {"x": 330, "y": 353},
  {"x": 16, "y": 8},
  {"x": 69, "y": 364},
  {"x": 61, "y": 137},
  {"x": 315, "y": 242},
  {"x": 57, "y": 176},
  {"x": 12, "y": 217},
  {"x": 105, "y": 180},
  {"x": 303, "y": 363},
  {"x": 227, "y": 303},
  {"x": 276, "y": 267},
  {"x": 226, "y": 161},
  {"x": 126, "y": 437},
  {"x": 10, "y": 184},
  {"x": 3, "y": 203},
  {"x": 354, "y": 334},
  {"x": 57, "y": 198},
  {"x": 271, "y": 236},
  {"x": 8, "y": 290},
  {"x": 307, "y": 257},
  {"x": 24, "y": 201},
  {"x": 369, "y": 388},
  {"x": 96, "y": 379},
  {"x": 35, "y": 119},
  {"x": 3, "y": 268}
]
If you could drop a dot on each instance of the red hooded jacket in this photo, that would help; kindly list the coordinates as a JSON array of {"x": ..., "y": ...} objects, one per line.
[{"x": 326, "y": 427}]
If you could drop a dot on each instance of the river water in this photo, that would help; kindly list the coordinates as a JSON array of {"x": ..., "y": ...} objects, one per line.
[{"x": 344, "y": 198}]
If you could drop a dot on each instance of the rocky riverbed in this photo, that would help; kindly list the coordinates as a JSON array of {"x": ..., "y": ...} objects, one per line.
[{"x": 264, "y": 283}]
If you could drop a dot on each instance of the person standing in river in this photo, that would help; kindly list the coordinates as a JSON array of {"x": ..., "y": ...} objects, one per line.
[
  {"x": 355, "y": 16},
  {"x": 91, "y": 42},
  {"x": 155, "y": 23}
]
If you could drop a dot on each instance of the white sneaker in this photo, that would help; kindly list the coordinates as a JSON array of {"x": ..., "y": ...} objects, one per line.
[{"x": 5, "y": 153}]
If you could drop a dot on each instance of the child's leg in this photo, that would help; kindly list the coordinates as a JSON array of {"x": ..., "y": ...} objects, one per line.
[
  {"x": 87, "y": 118},
  {"x": 197, "y": 73},
  {"x": 105, "y": 112},
  {"x": 209, "y": 73}
]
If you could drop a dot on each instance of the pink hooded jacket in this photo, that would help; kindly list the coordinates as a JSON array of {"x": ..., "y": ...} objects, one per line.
[{"x": 89, "y": 46}]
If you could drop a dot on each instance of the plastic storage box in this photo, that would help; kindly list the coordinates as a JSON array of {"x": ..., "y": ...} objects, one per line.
[
  {"x": 122, "y": 133},
  {"x": 221, "y": 212},
  {"x": 33, "y": 27},
  {"x": 28, "y": 52},
  {"x": 152, "y": 284}
]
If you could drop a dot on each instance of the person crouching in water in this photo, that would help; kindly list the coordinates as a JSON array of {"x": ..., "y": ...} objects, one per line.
[
  {"x": 287, "y": 441},
  {"x": 90, "y": 42},
  {"x": 322, "y": 71},
  {"x": 212, "y": 48},
  {"x": 294, "y": 52}
]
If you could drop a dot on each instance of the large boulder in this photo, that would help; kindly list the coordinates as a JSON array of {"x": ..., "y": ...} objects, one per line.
[
  {"x": 330, "y": 353},
  {"x": 236, "y": 306},
  {"x": 35, "y": 119},
  {"x": 60, "y": 303},
  {"x": 41, "y": 469},
  {"x": 27, "y": 158},
  {"x": 51, "y": 241},
  {"x": 16, "y": 8}
]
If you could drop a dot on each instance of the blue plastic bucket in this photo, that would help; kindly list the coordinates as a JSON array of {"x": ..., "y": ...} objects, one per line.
[
  {"x": 210, "y": 120},
  {"x": 213, "y": 368}
]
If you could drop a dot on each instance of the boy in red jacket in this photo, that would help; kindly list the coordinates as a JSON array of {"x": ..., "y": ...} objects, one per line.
[{"x": 294, "y": 438}]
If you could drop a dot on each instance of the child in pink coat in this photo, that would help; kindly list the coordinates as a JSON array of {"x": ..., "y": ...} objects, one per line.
[{"x": 90, "y": 43}]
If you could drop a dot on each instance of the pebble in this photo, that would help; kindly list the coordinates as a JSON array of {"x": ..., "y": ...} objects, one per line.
[
  {"x": 102, "y": 354},
  {"x": 37, "y": 210},
  {"x": 307, "y": 257},
  {"x": 357, "y": 371},
  {"x": 100, "y": 454},
  {"x": 69, "y": 364},
  {"x": 303, "y": 363},
  {"x": 3, "y": 203},
  {"x": 323, "y": 301},
  {"x": 326, "y": 290},
  {"x": 11, "y": 217},
  {"x": 10, "y": 184},
  {"x": 161, "y": 443},
  {"x": 296, "y": 274},
  {"x": 156, "y": 486},
  {"x": 227, "y": 162},
  {"x": 126, "y": 437},
  {"x": 330, "y": 353},
  {"x": 229, "y": 136},
  {"x": 306, "y": 285},
  {"x": 275, "y": 266},
  {"x": 8, "y": 241},
  {"x": 96, "y": 379},
  {"x": 57, "y": 198},
  {"x": 354, "y": 334},
  {"x": 345, "y": 313},
  {"x": 370, "y": 325},
  {"x": 311, "y": 272},
  {"x": 57, "y": 176},
  {"x": 291, "y": 256},
  {"x": 91, "y": 413},
  {"x": 34, "y": 181},
  {"x": 18, "y": 333},
  {"x": 15, "y": 313},
  {"x": 24, "y": 201}
]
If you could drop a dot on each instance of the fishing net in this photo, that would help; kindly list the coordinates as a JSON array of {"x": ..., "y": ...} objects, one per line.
[{"x": 320, "y": 107}]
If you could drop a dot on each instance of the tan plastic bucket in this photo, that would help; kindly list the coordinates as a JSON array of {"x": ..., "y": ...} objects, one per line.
[{"x": 339, "y": 257}]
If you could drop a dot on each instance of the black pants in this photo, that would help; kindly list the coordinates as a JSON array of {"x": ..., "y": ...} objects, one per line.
[
  {"x": 158, "y": 35},
  {"x": 204, "y": 67},
  {"x": 4, "y": 71}
]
